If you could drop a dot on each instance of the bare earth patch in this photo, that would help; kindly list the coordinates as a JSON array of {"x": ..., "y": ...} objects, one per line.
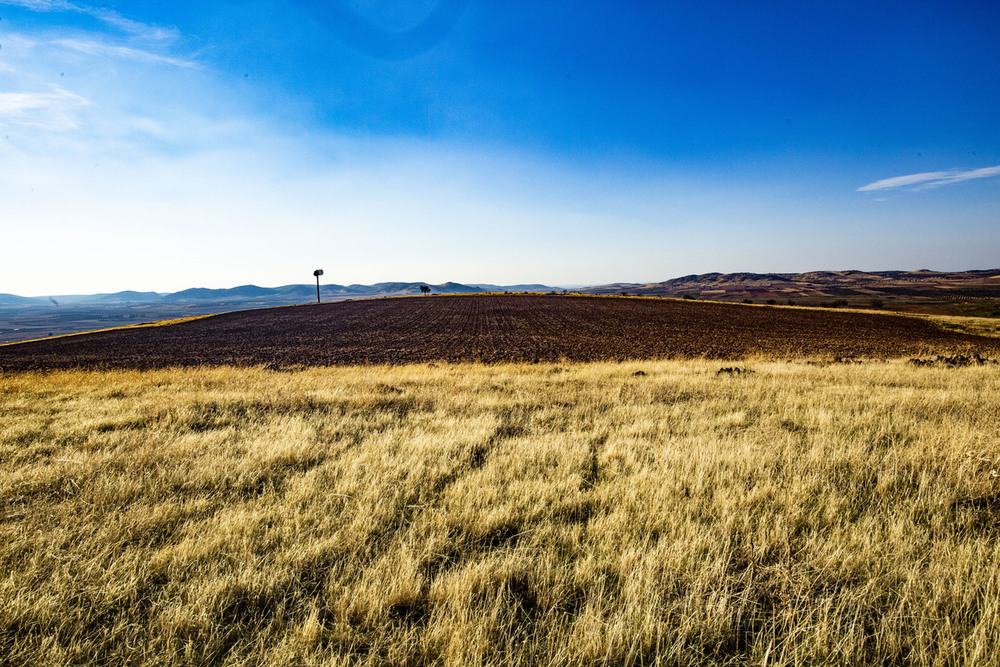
[{"x": 497, "y": 328}]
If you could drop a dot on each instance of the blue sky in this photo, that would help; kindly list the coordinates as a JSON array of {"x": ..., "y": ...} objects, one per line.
[{"x": 164, "y": 145}]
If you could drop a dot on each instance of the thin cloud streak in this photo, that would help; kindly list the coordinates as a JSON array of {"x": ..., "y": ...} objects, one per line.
[
  {"x": 930, "y": 179},
  {"x": 42, "y": 5},
  {"x": 94, "y": 48},
  {"x": 135, "y": 28},
  {"x": 109, "y": 16}
]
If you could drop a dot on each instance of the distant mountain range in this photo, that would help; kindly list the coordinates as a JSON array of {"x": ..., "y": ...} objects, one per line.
[
  {"x": 722, "y": 286},
  {"x": 287, "y": 294}
]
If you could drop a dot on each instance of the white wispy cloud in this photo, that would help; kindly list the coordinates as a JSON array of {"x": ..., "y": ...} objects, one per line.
[
  {"x": 41, "y": 5},
  {"x": 930, "y": 179},
  {"x": 55, "y": 110},
  {"x": 109, "y": 16},
  {"x": 96, "y": 48},
  {"x": 137, "y": 28}
]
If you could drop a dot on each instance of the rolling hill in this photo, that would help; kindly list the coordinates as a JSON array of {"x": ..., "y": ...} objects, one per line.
[
  {"x": 26, "y": 318},
  {"x": 928, "y": 291},
  {"x": 494, "y": 329}
]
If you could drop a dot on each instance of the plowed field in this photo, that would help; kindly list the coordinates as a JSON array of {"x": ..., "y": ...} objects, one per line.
[{"x": 496, "y": 329}]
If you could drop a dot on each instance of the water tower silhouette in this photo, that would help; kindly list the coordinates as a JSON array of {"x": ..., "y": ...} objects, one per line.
[{"x": 317, "y": 273}]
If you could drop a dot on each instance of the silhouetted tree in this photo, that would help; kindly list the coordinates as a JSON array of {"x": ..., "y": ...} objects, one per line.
[{"x": 424, "y": 289}]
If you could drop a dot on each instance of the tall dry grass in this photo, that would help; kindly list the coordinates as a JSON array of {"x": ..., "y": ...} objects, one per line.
[{"x": 517, "y": 515}]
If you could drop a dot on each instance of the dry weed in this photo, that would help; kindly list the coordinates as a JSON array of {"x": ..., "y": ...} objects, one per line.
[{"x": 574, "y": 514}]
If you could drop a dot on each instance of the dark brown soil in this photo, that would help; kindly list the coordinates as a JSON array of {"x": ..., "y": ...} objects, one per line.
[{"x": 497, "y": 328}]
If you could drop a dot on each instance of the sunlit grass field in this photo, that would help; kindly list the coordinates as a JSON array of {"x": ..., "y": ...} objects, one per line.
[
  {"x": 977, "y": 326},
  {"x": 574, "y": 514}
]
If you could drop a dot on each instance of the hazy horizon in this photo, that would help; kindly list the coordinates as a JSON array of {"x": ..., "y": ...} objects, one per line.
[{"x": 161, "y": 146}]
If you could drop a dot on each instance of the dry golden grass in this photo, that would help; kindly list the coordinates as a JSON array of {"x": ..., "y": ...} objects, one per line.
[
  {"x": 516, "y": 515},
  {"x": 977, "y": 326}
]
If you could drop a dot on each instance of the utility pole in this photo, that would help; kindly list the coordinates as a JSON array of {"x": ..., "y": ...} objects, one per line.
[{"x": 317, "y": 273}]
